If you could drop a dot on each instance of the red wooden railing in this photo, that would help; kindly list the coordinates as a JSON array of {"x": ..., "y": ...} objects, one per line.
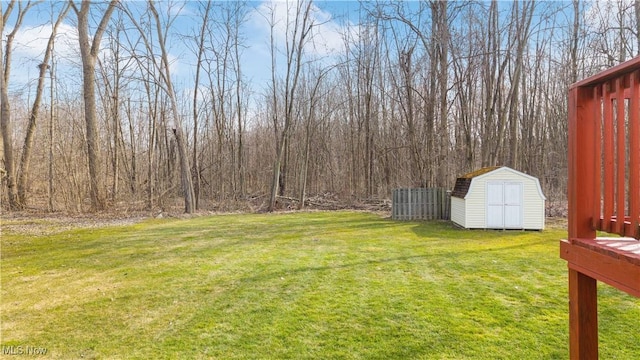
[{"x": 603, "y": 194}]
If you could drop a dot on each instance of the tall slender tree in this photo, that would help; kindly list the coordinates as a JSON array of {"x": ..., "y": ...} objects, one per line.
[
  {"x": 200, "y": 40},
  {"x": 298, "y": 31},
  {"x": 178, "y": 132},
  {"x": 25, "y": 159},
  {"x": 5, "y": 110},
  {"x": 89, "y": 49}
]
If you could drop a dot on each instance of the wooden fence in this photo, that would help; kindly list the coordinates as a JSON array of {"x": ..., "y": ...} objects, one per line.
[{"x": 421, "y": 204}]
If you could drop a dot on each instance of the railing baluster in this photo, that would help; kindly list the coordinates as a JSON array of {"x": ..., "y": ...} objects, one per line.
[
  {"x": 597, "y": 176},
  {"x": 608, "y": 159},
  {"x": 621, "y": 156}
]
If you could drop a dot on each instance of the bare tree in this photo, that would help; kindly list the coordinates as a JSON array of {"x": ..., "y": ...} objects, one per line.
[
  {"x": 522, "y": 16},
  {"x": 367, "y": 60},
  {"x": 493, "y": 73},
  {"x": 5, "y": 110},
  {"x": 159, "y": 74},
  {"x": 3, "y": 98},
  {"x": 25, "y": 160},
  {"x": 89, "y": 49},
  {"x": 310, "y": 125},
  {"x": 200, "y": 39},
  {"x": 440, "y": 17},
  {"x": 298, "y": 30},
  {"x": 115, "y": 66},
  {"x": 151, "y": 108},
  {"x": 223, "y": 105},
  {"x": 185, "y": 169},
  {"x": 574, "y": 38},
  {"x": 235, "y": 21}
]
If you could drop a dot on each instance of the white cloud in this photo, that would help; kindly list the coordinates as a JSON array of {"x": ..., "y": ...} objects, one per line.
[
  {"x": 326, "y": 43},
  {"x": 327, "y": 35},
  {"x": 31, "y": 42},
  {"x": 29, "y": 47}
]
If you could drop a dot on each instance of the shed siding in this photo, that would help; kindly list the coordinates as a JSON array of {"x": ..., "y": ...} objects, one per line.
[
  {"x": 476, "y": 207},
  {"x": 533, "y": 207},
  {"x": 458, "y": 211}
]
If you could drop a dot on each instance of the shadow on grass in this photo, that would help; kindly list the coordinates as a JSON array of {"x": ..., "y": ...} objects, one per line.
[
  {"x": 450, "y": 255},
  {"x": 300, "y": 270},
  {"x": 447, "y": 230}
]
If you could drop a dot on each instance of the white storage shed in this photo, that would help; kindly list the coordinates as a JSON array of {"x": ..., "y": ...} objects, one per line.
[{"x": 498, "y": 198}]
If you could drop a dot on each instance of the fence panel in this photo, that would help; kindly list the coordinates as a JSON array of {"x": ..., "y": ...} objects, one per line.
[{"x": 421, "y": 204}]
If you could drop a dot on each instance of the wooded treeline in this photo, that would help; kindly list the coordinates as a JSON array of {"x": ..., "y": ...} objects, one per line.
[{"x": 415, "y": 94}]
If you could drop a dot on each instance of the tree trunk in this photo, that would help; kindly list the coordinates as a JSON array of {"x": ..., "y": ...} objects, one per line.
[
  {"x": 196, "y": 165},
  {"x": 575, "y": 30},
  {"x": 6, "y": 127},
  {"x": 443, "y": 76},
  {"x": 25, "y": 160},
  {"x": 89, "y": 53},
  {"x": 185, "y": 168},
  {"x": 275, "y": 183},
  {"x": 304, "y": 168},
  {"x": 523, "y": 18},
  {"x": 7, "y": 141},
  {"x": 302, "y": 26},
  {"x": 240, "y": 149},
  {"x": 93, "y": 144}
]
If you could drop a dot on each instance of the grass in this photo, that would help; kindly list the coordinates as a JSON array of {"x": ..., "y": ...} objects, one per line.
[{"x": 321, "y": 285}]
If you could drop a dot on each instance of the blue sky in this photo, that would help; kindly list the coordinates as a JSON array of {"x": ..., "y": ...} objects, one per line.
[{"x": 333, "y": 19}]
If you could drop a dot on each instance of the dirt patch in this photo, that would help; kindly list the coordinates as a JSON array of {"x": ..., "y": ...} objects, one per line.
[
  {"x": 29, "y": 223},
  {"x": 556, "y": 223},
  {"x": 36, "y": 222},
  {"x": 39, "y": 222}
]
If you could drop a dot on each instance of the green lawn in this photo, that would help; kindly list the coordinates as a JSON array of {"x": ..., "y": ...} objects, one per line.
[{"x": 319, "y": 285}]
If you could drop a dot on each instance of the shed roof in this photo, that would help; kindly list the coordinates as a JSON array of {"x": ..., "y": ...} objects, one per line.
[
  {"x": 479, "y": 172},
  {"x": 463, "y": 182},
  {"x": 461, "y": 188}
]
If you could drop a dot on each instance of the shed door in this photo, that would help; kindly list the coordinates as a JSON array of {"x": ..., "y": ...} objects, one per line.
[{"x": 504, "y": 205}]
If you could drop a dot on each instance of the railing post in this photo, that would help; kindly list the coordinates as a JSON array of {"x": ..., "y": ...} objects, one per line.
[
  {"x": 583, "y": 316},
  {"x": 581, "y": 164}
]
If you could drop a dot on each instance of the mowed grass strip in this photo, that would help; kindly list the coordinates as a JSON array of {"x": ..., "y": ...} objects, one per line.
[{"x": 318, "y": 285}]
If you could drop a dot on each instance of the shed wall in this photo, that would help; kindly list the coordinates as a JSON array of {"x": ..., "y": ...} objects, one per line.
[
  {"x": 458, "y": 211},
  {"x": 476, "y": 202},
  {"x": 533, "y": 206}
]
